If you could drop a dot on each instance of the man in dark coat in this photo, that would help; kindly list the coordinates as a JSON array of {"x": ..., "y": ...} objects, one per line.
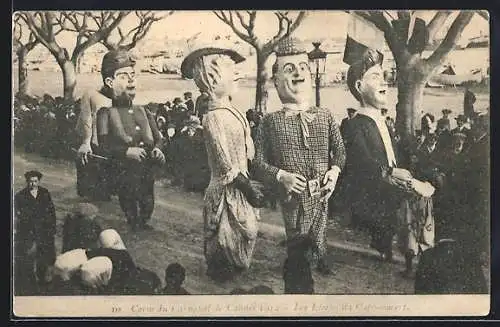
[
  {"x": 469, "y": 100},
  {"x": 344, "y": 124},
  {"x": 130, "y": 137},
  {"x": 446, "y": 269},
  {"x": 371, "y": 156},
  {"x": 80, "y": 230},
  {"x": 188, "y": 101},
  {"x": 201, "y": 107},
  {"x": 477, "y": 187},
  {"x": 444, "y": 122},
  {"x": 35, "y": 228}
]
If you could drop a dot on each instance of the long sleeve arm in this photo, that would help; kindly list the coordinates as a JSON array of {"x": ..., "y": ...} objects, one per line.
[
  {"x": 262, "y": 164},
  {"x": 84, "y": 122},
  {"x": 337, "y": 149},
  {"x": 157, "y": 137},
  {"x": 217, "y": 145}
]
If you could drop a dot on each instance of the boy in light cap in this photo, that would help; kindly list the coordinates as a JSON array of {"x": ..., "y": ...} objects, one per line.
[
  {"x": 299, "y": 150},
  {"x": 230, "y": 213}
]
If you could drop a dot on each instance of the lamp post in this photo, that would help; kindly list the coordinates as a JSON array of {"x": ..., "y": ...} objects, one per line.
[{"x": 317, "y": 58}]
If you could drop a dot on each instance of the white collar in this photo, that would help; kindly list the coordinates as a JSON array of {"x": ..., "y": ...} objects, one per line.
[{"x": 296, "y": 106}]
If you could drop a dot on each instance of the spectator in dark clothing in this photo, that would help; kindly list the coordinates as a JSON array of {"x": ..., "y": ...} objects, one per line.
[
  {"x": 80, "y": 230},
  {"x": 462, "y": 128},
  {"x": 144, "y": 282},
  {"x": 444, "y": 122},
  {"x": 444, "y": 137},
  {"x": 201, "y": 107},
  {"x": 344, "y": 125},
  {"x": 174, "y": 278},
  {"x": 163, "y": 111},
  {"x": 188, "y": 101},
  {"x": 426, "y": 124},
  {"x": 469, "y": 100},
  {"x": 196, "y": 171},
  {"x": 477, "y": 186},
  {"x": 446, "y": 269},
  {"x": 35, "y": 228},
  {"x": 179, "y": 114}
]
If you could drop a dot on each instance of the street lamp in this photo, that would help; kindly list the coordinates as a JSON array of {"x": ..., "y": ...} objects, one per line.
[{"x": 317, "y": 58}]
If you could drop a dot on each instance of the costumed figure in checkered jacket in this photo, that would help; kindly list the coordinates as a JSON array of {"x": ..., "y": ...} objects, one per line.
[{"x": 299, "y": 150}]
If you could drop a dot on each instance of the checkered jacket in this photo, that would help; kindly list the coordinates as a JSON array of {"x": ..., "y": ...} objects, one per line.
[{"x": 279, "y": 144}]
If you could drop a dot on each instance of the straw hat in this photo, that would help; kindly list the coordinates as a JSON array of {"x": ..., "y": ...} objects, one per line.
[{"x": 206, "y": 48}]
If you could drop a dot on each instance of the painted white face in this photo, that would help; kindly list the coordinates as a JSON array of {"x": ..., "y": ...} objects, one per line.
[
  {"x": 223, "y": 75},
  {"x": 123, "y": 82},
  {"x": 293, "y": 79},
  {"x": 373, "y": 87}
]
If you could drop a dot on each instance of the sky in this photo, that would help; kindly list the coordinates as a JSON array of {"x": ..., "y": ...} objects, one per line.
[{"x": 319, "y": 24}]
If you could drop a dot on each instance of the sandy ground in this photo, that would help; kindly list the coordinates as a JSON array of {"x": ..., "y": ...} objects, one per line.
[{"x": 177, "y": 237}]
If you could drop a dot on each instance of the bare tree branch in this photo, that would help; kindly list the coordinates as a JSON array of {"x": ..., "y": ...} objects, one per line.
[
  {"x": 286, "y": 27},
  {"x": 437, "y": 22},
  {"x": 451, "y": 38},
  {"x": 484, "y": 14},
  {"x": 378, "y": 19},
  {"x": 403, "y": 14},
  {"x": 228, "y": 19},
  {"x": 128, "y": 40}
]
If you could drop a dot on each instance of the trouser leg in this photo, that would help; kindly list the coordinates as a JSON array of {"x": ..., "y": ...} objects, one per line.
[{"x": 146, "y": 195}]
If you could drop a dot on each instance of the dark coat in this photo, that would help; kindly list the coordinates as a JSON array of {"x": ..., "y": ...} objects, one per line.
[
  {"x": 79, "y": 233},
  {"x": 190, "y": 105},
  {"x": 445, "y": 269},
  {"x": 362, "y": 185},
  {"x": 35, "y": 222}
]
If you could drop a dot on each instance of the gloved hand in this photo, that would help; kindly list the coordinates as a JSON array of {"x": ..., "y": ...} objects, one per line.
[{"x": 253, "y": 190}]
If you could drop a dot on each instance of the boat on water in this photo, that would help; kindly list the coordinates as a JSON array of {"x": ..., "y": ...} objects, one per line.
[
  {"x": 446, "y": 76},
  {"x": 482, "y": 41}
]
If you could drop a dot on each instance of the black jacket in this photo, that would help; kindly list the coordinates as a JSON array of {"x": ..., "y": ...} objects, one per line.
[
  {"x": 35, "y": 222},
  {"x": 362, "y": 184}
]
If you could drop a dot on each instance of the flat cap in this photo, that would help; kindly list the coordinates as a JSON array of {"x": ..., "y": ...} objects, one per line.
[
  {"x": 290, "y": 46},
  {"x": 116, "y": 59}
]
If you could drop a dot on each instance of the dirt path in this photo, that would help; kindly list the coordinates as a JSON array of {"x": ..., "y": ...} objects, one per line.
[{"x": 177, "y": 237}]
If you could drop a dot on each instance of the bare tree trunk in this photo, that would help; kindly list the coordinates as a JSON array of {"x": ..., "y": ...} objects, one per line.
[
  {"x": 410, "y": 97},
  {"x": 79, "y": 64},
  {"x": 23, "y": 71},
  {"x": 261, "y": 92},
  {"x": 69, "y": 79}
]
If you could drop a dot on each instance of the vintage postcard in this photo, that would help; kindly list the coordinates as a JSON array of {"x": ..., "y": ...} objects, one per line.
[{"x": 251, "y": 163}]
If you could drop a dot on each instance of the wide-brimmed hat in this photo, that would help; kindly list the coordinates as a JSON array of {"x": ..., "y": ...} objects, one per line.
[
  {"x": 446, "y": 111},
  {"x": 188, "y": 62},
  {"x": 461, "y": 118}
]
